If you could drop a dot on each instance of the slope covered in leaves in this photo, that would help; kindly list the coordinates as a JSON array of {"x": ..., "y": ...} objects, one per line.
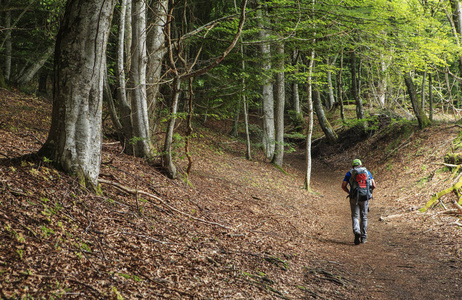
[{"x": 239, "y": 230}]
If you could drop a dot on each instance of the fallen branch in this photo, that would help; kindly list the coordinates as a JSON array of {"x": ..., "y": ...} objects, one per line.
[
  {"x": 437, "y": 196},
  {"x": 134, "y": 192},
  {"x": 459, "y": 208}
]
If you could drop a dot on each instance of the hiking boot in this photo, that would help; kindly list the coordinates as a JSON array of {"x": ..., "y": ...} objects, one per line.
[
  {"x": 357, "y": 238},
  {"x": 363, "y": 240}
]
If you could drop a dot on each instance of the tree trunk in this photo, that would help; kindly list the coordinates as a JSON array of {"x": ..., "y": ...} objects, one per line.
[
  {"x": 309, "y": 131},
  {"x": 382, "y": 83},
  {"x": 107, "y": 97},
  {"x": 295, "y": 93},
  {"x": 457, "y": 21},
  {"x": 354, "y": 87},
  {"x": 124, "y": 105},
  {"x": 32, "y": 70},
  {"x": 430, "y": 96},
  {"x": 340, "y": 88},
  {"x": 75, "y": 137},
  {"x": 419, "y": 113},
  {"x": 331, "y": 97},
  {"x": 281, "y": 99},
  {"x": 331, "y": 136},
  {"x": 156, "y": 52},
  {"x": 8, "y": 43},
  {"x": 267, "y": 97},
  {"x": 141, "y": 134},
  {"x": 167, "y": 159},
  {"x": 422, "y": 95}
]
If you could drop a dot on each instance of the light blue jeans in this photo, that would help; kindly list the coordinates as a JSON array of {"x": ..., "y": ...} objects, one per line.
[{"x": 359, "y": 216}]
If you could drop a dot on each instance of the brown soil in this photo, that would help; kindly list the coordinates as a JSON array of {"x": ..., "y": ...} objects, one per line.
[{"x": 240, "y": 230}]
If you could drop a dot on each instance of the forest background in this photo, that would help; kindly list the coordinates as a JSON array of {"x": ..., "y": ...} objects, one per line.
[
  {"x": 160, "y": 61},
  {"x": 160, "y": 70}
]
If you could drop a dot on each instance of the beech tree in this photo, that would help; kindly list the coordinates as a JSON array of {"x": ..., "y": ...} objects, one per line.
[{"x": 75, "y": 137}]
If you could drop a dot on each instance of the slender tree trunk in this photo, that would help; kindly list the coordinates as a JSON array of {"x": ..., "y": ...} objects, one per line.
[
  {"x": 430, "y": 96},
  {"x": 167, "y": 159},
  {"x": 248, "y": 154},
  {"x": 267, "y": 97},
  {"x": 309, "y": 131},
  {"x": 281, "y": 99},
  {"x": 235, "y": 129},
  {"x": 156, "y": 52},
  {"x": 422, "y": 96},
  {"x": 107, "y": 97},
  {"x": 124, "y": 105},
  {"x": 331, "y": 97},
  {"x": 331, "y": 136},
  {"x": 295, "y": 93},
  {"x": 8, "y": 43},
  {"x": 340, "y": 89},
  {"x": 139, "y": 105},
  {"x": 382, "y": 83},
  {"x": 419, "y": 113},
  {"x": 75, "y": 137},
  {"x": 32, "y": 70},
  {"x": 354, "y": 87}
]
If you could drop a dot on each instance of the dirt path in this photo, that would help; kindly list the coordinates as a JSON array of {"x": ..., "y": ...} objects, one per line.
[{"x": 398, "y": 262}]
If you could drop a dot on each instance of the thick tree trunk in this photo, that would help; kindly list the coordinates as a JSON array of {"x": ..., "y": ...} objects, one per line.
[
  {"x": 140, "y": 118},
  {"x": 75, "y": 137},
  {"x": 419, "y": 113},
  {"x": 281, "y": 99}
]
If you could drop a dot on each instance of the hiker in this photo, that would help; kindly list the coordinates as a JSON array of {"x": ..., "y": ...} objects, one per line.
[{"x": 361, "y": 184}]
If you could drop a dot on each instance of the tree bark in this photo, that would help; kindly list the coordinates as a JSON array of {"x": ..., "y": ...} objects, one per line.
[
  {"x": 29, "y": 73},
  {"x": 124, "y": 105},
  {"x": 167, "y": 159},
  {"x": 340, "y": 88},
  {"x": 280, "y": 101},
  {"x": 331, "y": 136},
  {"x": 430, "y": 96},
  {"x": 354, "y": 87},
  {"x": 156, "y": 52},
  {"x": 419, "y": 113},
  {"x": 331, "y": 97},
  {"x": 309, "y": 131},
  {"x": 267, "y": 94},
  {"x": 140, "y": 118},
  {"x": 8, "y": 43},
  {"x": 75, "y": 137}
]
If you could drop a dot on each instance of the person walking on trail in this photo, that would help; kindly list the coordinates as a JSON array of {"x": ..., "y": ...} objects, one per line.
[{"x": 358, "y": 184}]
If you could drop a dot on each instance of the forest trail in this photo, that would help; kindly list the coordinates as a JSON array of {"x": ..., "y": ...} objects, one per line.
[{"x": 398, "y": 262}]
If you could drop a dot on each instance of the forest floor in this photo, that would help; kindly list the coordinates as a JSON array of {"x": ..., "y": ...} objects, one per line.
[{"x": 239, "y": 230}]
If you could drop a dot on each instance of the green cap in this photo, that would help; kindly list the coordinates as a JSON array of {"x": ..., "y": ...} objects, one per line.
[{"x": 356, "y": 162}]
